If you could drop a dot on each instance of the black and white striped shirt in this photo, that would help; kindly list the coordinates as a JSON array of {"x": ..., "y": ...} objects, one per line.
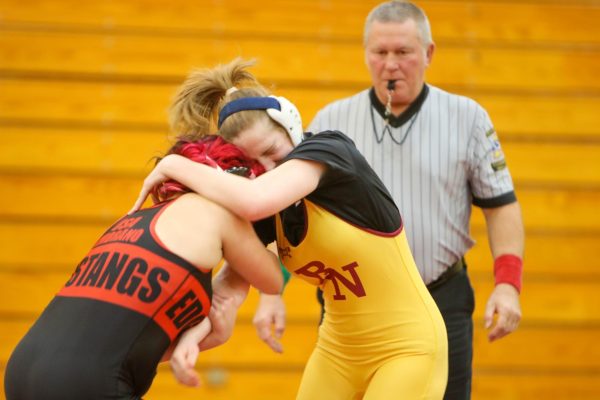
[{"x": 437, "y": 158}]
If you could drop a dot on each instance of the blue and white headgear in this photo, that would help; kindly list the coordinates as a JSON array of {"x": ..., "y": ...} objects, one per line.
[{"x": 280, "y": 109}]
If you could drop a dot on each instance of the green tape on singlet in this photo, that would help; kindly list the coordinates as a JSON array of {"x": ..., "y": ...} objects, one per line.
[{"x": 285, "y": 272}]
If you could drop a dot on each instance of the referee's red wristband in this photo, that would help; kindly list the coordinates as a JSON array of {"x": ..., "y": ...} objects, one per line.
[{"x": 508, "y": 268}]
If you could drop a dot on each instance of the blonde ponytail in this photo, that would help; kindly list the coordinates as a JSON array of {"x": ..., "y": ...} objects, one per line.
[{"x": 195, "y": 106}]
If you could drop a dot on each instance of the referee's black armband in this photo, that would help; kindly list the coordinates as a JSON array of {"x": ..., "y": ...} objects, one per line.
[{"x": 502, "y": 200}]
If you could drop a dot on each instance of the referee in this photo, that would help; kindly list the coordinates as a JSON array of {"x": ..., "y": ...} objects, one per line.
[{"x": 438, "y": 154}]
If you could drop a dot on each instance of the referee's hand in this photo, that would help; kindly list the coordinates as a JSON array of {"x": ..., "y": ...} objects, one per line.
[{"x": 504, "y": 307}]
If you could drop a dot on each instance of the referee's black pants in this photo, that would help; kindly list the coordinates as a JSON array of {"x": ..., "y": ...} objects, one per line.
[{"x": 456, "y": 301}]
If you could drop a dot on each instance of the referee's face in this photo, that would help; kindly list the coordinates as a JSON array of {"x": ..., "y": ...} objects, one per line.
[{"x": 394, "y": 51}]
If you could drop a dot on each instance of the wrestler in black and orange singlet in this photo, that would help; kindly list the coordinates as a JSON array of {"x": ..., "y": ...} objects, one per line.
[{"x": 106, "y": 330}]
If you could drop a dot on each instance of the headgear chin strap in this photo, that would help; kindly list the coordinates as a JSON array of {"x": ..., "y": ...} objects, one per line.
[{"x": 280, "y": 109}]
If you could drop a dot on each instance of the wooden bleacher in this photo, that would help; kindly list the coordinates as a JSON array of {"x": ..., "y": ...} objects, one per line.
[{"x": 84, "y": 88}]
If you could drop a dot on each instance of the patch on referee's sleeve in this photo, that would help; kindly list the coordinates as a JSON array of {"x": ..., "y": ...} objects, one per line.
[
  {"x": 499, "y": 165},
  {"x": 498, "y": 161}
]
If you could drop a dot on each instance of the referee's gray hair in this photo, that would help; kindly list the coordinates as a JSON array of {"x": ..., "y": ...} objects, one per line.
[{"x": 399, "y": 11}]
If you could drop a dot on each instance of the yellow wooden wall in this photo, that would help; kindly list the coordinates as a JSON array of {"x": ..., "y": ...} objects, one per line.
[{"x": 84, "y": 86}]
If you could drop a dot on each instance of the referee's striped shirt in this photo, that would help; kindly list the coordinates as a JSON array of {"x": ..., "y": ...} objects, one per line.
[{"x": 437, "y": 158}]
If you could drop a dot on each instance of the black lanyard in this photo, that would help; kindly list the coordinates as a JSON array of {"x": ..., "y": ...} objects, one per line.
[{"x": 386, "y": 128}]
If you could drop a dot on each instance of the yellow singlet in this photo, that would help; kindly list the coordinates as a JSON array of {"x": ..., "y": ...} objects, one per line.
[{"x": 382, "y": 336}]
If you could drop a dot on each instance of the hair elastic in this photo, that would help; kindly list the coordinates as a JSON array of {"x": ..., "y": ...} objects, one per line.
[{"x": 231, "y": 90}]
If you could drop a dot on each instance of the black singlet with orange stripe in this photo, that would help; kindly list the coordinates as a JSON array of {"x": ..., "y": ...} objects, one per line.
[{"x": 104, "y": 333}]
